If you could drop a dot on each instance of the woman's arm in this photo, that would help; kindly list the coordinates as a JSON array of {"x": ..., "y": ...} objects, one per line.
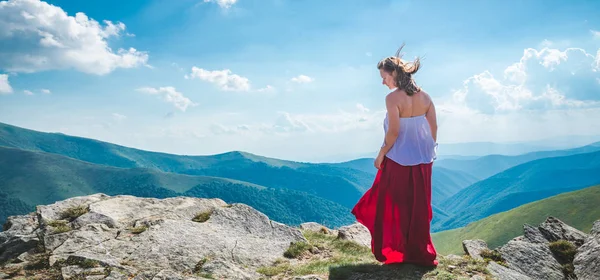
[
  {"x": 394, "y": 123},
  {"x": 432, "y": 119}
]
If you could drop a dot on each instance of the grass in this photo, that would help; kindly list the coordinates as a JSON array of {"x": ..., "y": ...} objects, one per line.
[
  {"x": 493, "y": 255},
  {"x": 333, "y": 258},
  {"x": 73, "y": 212},
  {"x": 577, "y": 209},
  {"x": 138, "y": 229},
  {"x": 564, "y": 252},
  {"x": 203, "y": 216},
  {"x": 59, "y": 226}
]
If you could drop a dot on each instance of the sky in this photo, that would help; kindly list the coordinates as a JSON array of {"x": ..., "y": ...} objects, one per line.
[{"x": 295, "y": 79}]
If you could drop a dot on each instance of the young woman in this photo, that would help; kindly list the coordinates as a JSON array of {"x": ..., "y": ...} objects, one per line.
[{"x": 397, "y": 207}]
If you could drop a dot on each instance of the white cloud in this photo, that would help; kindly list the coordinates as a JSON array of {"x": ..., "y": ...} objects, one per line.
[
  {"x": 27, "y": 92},
  {"x": 39, "y": 36},
  {"x": 118, "y": 117},
  {"x": 225, "y": 4},
  {"x": 4, "y": 84},
  {"x": 369, "y": 54},
  {"x": 362, "y": 108},
  {"x": 46, "y": 91},
  {"x": 544, "y": 79},
  {"x": 224, "y": 79},
  {"x": 170, "y": 95},
  {"x": 302, "y": 79},
  {"x": 595, "y": 33}
]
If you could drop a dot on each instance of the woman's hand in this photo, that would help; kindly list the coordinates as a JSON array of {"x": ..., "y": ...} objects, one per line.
[{"x": 379, "y": 161}]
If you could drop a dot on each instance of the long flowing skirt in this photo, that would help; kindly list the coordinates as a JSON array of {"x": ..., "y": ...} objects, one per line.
[{"x": 397, "y": 212}]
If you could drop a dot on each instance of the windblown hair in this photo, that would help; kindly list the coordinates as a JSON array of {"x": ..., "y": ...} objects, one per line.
[{"x": 402, "y": 71}]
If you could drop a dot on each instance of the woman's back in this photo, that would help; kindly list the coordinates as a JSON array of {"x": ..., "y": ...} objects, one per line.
[{"x": 415, "y": 143}]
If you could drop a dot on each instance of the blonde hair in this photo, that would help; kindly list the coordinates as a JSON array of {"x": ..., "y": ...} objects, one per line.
[{"x": 402, "y": 71}]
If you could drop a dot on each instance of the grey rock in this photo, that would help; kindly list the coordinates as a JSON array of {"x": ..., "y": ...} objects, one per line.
[
  {"x": 315, "y": 227},
  {"x": 474, "y": 248},
  {"x": 158, "y": 238},
  {"x": 477, "y": 277},
  {"x": 587, "y": 259},
  {"x": 504, "y": 273},
  {"x": 93, "y": 218},
  {"x": 20, "y": 225},
  {"x": 75, "y": 272},
  {"x": 4, "y": 275},
  {"x": 554, "y": 229},
  {"x": 533, "y": 260},
  {"x": 308, "y": 277},
  {"x": 533, "y": 235},
  {"x": 15, "y": 245},
  {"x": 54, "y": 211},
  {"x": 357, "y": 233}
]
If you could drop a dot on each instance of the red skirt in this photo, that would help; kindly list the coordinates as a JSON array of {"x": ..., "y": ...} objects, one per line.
[{"x": 397, "y": 212}]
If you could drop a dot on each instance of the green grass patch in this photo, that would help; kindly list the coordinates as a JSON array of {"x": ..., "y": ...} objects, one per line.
[
  {"x": 203, "y": 216},
  {"x": 73, "y": 212},
  {"x": 138, "y": 229},
  {"x": 296, "y": 249}
]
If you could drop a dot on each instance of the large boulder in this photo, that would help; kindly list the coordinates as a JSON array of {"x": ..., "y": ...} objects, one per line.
[
  {"x": 356, "y": 232},
  {"x": 474, "y": 248},
  {"x": 172, "y": 238},
  {"x": 587, "y": 259}
]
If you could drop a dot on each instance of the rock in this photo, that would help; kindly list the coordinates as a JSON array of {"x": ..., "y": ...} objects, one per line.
[
  {"x": 54, "y": 211},
  {"x": 93, "y": 218},
  {"x": 308, "y": 277},
  {"x": 158, "y": 238},
  {"x": 587, "y": 259},
  {"x": 554, "y": 229},
  {"x": 477, "y": 277},
  {"x": 474, "y": 248},
  {"x": 533, "y": 235},
  {"x": 4, "y": 275},
  {"x": 76, "y": 272},
  {"x": 315, "y": 227},
  {"x": 504, "y": 273},
  {"x": 533, "y": 260},
  {"x": 357, "y": 233},
  {"x": 14, "y": 245}
]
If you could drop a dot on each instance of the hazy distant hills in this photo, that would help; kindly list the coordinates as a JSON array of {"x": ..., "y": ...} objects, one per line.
[
  {"x": 519, "y": 185},
  {"x": 578, "y": 209},
  {"x": 486, "y": 166}
]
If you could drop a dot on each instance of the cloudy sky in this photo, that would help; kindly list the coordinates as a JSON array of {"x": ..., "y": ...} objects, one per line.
[{"x": 295, "y": 79}]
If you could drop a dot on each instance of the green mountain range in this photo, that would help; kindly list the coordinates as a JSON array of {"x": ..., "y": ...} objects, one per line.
[
  {"x": 578, "y": 209},
  {"x": 37, "y": 178},
  {"x": 519, "y": 185}
]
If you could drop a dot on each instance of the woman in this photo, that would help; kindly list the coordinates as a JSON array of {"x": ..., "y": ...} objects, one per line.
[{"x": 397, "y": 208}]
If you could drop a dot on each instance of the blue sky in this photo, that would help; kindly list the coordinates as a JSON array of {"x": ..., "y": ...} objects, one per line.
[{"x": 295, "y": 79}]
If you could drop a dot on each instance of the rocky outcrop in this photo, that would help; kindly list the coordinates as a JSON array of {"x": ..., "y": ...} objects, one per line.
[
  {"x": 587, "y": 259},
  {"x": 174, "y": 238},
  {"x": 544, "y": 252},
  {"x": 474, "y": 248}
]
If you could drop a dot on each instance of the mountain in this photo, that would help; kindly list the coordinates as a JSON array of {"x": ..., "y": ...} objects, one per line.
[
  {"x": 444, "y": 182},
  {"x": 486, "y": 166},
  {"x": 577, "y": 208},
  {"x": 339, "y": 184},
  {"x": 33, "y": 178},
  {"x": 519, "y": 185}
]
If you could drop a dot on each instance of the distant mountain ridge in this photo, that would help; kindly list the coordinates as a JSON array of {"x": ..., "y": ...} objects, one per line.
[
  {"x": 486, "y": 166},
  {"x": 519, "y": 185}
]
